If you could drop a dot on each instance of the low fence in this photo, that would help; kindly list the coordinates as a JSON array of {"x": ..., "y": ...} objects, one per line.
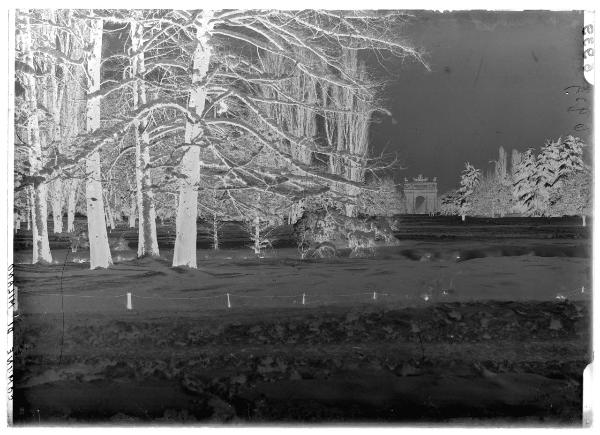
[{"x": 130, "y": 301}]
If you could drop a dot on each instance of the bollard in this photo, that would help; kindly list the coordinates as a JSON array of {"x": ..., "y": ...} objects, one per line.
[
  {"x": 228, "y": 301},
  {"x": 129, "y": 306},
  {"x": 303, "y": 298},
  {"x": 374, "y": 296}
]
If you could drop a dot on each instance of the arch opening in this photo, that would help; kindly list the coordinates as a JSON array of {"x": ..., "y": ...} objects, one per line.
[{"x": 420, "y": 205}]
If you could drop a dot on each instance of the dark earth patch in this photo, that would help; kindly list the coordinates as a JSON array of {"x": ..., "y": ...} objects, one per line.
[{"x": 436, "y": 363}]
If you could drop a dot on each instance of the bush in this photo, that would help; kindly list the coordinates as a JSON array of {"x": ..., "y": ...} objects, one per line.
[{"x": 361, "y": 235}]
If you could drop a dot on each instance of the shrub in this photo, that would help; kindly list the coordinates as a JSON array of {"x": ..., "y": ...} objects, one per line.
[{"x": 361, "y": 235}]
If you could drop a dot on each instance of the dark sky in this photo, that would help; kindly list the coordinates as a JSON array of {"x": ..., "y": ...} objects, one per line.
[{"x": 497, "y": 78}]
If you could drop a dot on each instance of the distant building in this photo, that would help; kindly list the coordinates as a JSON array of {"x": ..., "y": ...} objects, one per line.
[{"x": 421, "y": 195}]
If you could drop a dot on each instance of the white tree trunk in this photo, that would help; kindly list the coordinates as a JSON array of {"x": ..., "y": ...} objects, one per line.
[
  {"x": 99, "y": 248},
  {"x": 74, "y": 122},
  {"x": 583, "y": 220},
  {"x": 54, "y": 99},
  {"x": 215, "y": 233},
  {"x": 57, "y": 216},
  {"x": 147, "y": 239},
  {"x": 39, "y": 215},
  {"x": 109, "y": 215},
  {"x": 38, "y": 193},
  {"x": 71, "y": 205},
  {"x": 187, "y": 210},
  {"x": 57, "y": 206},
  {"x": 28, "y": 211},
  {"x": 257, "y": 235},
  {"x": 463, "y": 217},
  {"x": 132, "y": 211}
]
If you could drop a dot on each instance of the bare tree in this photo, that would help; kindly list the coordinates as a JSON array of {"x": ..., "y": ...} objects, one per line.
[
  {"x": 208, "y": 82},
  {"x": 100, "y": 255},
  {"x": 296, "y": 37},
  {"x": 26, "y": 70},
  {"x": 147, "y": 239}
]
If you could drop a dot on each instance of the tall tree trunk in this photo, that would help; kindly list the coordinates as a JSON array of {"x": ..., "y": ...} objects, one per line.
[
  {"x": 99, "y": 248},
  {"x": 28, "y": 210},
  {"x": 39, "y": 215},
  {"x": 54, "y": 100},
  {"x": 147, "y": 239},
  {"x": 74, "y": 119},
  {"x": 71, "y": 205},
  {"x": 583, "y": 220},
  {"x": 187, "y": 210},
  {"x": 57, "y": 216},
  {"x": 38, "y": 193},
  {"x": 257, "y": 235},
  {"x": 215, "y": 232},
  {"x": 109, "y": 214},
  {"x": 132, "y": 211},
  {"x": 57, "y": 206}
]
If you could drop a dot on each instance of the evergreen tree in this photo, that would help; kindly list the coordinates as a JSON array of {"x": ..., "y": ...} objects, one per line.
[
  {"x": 450, "y": 203},
  {"x": 549, "y": 169},
  {"x": 574, "y": 196},
  {"x": 572, "y": 155},
  {"x": 525, "y": 182},
  {"x": 469, "y": 179},
  {"x": 557, "y": 161}
]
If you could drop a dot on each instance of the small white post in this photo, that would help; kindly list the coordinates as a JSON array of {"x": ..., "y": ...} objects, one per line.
[
  {"x": 303, "y": 298},
  {"x": 228, "y": 301},
  {"x": 374, "y": 296},
  {"x": 129, "y": 306}
]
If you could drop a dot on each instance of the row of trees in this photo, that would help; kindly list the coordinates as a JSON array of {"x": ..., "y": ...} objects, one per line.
[
  {"x": 165, "y": 114},
  {"x": 553, "y": 182}
]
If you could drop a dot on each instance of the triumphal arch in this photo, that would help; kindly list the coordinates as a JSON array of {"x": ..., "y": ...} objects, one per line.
[{"x": 421, "y": 195}]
